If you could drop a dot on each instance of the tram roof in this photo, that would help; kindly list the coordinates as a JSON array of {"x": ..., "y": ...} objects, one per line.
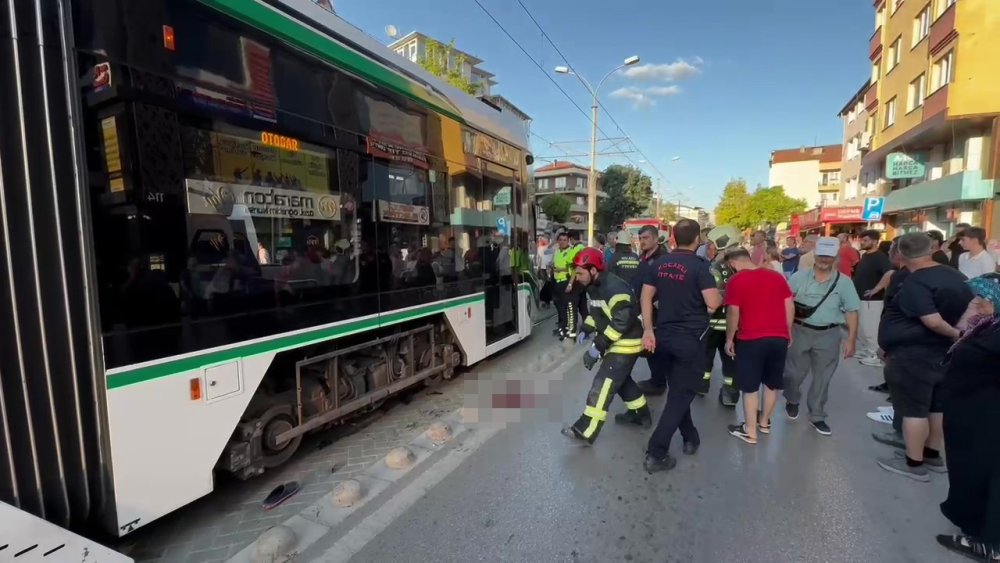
[{"x": 323, "y": 34}]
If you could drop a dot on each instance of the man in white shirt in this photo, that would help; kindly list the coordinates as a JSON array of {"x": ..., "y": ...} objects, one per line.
[{"x": 975, "y": 261}]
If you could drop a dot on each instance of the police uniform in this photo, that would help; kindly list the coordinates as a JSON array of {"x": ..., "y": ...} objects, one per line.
[
  {"x": 562, "y": 266},
  {"x": 681, "y": 325},
  {"x": 715, "y": 341},
  {"x": 614, "y": 319}
]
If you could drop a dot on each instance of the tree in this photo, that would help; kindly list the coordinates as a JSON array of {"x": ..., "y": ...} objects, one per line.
[
  {"x": 556, "y": 208},
  {"x": 629, "y": 191},
  {"x": 773, "y": 205},
  {"x": 734, "y": 205},
  {"x": 440, "y": 60}
]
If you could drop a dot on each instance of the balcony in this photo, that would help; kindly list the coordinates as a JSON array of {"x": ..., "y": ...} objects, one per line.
[
  {"x": 936, "y": 103},
  {"x": 834, "y": 187},
  {"x": 943, "y": 30},
  {"x": 962, "y": 186},
  {"x": 875, "y": 44},
  {"x": 871, "y": 98}
]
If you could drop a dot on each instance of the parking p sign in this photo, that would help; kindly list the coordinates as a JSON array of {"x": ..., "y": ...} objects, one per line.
[{"x": 873, "y": 209}]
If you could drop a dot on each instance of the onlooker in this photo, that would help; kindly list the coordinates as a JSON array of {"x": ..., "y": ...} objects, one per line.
[
  {"x": 892, "y": 282},
  {"x": 790, "y": 257},
  {"x": 774, "y": 259},
  {"x": 825, "y": 300},
  {"x": 759, "y": 315},
  {"x": 955, "y": 244},
  {"x": 612, "y": 244},
  {"x": 870, "y": 271},
  {"x": 918, "y": 329},
  {"x": 807, "y": 256},
  {"x": 848, "y": 256},
  {"x": 973, "y": 393},
  {"x": 976, "y": 261},
  {"x": 937, "y": 241},
  {"x": 758, "y": 248}
]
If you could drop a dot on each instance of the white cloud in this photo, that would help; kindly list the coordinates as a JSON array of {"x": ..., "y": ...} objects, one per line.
[
  {"x": 644, "y": 97},
  {"x": 667, "y": 72}
]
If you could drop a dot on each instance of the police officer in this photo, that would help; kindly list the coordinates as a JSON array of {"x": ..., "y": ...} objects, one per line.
[
  {"x": 689, "y": 297},
  {"x": 722, "y": 238},
  {"x": 650, "y": 250},
  {"x": 614, "y": 321},
  {"x": 624, "y": 262},
  {"x": 562, "y": 272}
]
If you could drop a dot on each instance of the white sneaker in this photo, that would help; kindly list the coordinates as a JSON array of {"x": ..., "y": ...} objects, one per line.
[
  {"x": 886, "y": 409},
  {"x": 872, "y": 361},
  {"x": 884, "y": 418}
]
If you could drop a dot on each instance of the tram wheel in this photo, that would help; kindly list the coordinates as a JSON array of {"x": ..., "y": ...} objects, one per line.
[{"x": 277, "y": 420}]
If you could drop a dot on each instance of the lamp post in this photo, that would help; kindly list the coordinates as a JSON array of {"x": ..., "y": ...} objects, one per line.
[{"x": 592, "y": 180}]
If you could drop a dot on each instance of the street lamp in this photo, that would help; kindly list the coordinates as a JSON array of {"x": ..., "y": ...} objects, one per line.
[{"x": 592, "y": 180}]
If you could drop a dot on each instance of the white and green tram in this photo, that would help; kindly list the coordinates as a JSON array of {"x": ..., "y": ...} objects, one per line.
[{"x": 227, "y": 224}]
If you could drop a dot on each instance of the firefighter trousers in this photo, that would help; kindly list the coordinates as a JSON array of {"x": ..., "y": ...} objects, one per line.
[
  {"x": 613, "y": 377},
  {"x": 715, "y": 341}
]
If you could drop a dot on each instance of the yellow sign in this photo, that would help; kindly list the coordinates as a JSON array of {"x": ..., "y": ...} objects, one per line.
[
  {"x": 279, "y": 141},
  {"x": 244, "y": 161},
  {"x": 112, "y": 154}
]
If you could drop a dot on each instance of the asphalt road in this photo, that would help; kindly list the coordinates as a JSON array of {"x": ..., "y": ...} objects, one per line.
[{"x": 527, "y": 494}]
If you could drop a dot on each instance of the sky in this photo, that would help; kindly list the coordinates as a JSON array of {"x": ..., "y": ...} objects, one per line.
[{"x": 720, "y": 84}]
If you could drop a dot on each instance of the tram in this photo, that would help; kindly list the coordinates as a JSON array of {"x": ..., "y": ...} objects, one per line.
[{"x": 227, "y": 224}]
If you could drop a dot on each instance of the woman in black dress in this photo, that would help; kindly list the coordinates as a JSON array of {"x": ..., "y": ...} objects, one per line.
[{"x": 971, "y": 412}]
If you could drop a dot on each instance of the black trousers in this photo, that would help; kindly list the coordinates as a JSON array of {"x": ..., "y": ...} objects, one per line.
[
  {"x": 681, "y": 357},
  {"x": 613, "y": 377},
  {"x": 567, "y": 307},
  {"x": 715, "y": 341},
  {"x": 559, "y": 296}
]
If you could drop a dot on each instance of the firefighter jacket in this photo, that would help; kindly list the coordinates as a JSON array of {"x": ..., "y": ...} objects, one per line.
[
  {"x": 614, "y": 316},
  {"x": 625, "y": 265},
  {"x": 722, "y": 273}
]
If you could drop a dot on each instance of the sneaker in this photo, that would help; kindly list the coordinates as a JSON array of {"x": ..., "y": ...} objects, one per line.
[
  {"x": 889, "y": 439},
  {"x": 652, "y": 465},
  {"x": 649, "y": 388},
  {"x": 740, "y": 431},
  {"x": 879, "y": 416},
  {"x": 899, "y": 466},
  {"x": 792, "y": 410},
  {"x": 886, "y": 409},
  {"x": 935, "y": 464},
  {"x": 822, "y": 427},
  {"x": 873, "y": 362},
  {"x": 880, "y": 388}
]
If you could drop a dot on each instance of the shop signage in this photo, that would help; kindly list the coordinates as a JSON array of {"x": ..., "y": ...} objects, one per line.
[
  {"x": 503, "y": 197},
  {"x": 392, "y": 212},
  {"x": 809, "y": 219},
  {"x": 900, "y": 165},
  {"x": 396, "y": 153},
  {"x": 220, "y": 198},
  {"x": 840, "y": 215}
]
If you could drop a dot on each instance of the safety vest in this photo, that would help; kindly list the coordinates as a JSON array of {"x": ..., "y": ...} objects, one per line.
[{"x": 562, "y": 262}]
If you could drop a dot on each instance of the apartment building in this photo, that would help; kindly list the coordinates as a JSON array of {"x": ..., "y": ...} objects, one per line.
[
  {"x": 413, "y": 46},
  {"x": 808, "y": 173},
  {"x": 570, "y": 180},
  {"x": 857, "y": 141},
  {"x": 933, "y": 108}
]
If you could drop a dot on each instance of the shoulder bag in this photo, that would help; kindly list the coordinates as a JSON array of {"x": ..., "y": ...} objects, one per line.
[{"x": 805, "y": 311}]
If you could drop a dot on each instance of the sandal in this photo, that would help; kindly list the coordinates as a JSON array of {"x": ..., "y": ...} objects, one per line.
[
  {"x": 280, "y": 494},
  {"x": 965, "y": 545},
  {"x": 764, "y": 428}
]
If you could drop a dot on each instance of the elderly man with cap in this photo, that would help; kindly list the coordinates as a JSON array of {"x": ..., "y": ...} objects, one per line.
[{"x": 825, "y": 301}]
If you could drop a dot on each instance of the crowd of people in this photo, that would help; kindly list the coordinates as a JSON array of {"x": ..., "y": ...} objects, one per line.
[{"x": 923, "y": 308}]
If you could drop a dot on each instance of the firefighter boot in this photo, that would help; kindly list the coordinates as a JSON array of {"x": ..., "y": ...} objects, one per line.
[
  {"x": 576, "y": 436},
  {"x": 640, "y": 417},
  {"x": 705, "y": 385},
  {"x": 729, "y": 395}
]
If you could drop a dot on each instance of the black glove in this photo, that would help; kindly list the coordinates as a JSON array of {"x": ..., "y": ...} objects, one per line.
[
  {"x": 590, "y": 358},
  {"x": 602, "y": 343}
]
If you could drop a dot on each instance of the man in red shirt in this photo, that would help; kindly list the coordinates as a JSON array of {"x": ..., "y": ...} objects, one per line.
[
  {"x": 759, "y": 313},
  {"x": 848, "y": 256}
]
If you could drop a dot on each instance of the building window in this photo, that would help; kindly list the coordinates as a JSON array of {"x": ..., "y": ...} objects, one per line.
[
  {"x": 830, "y": 178},
  {"x": 943, "y": 70},
  {"x": 543, "y": 183},
  {"x": 579, "y": 183},
  {"x": 894, "y": 54},
  {"x": 879, "y": 18},
  {"x": 896, "y": 4},
  {"x": 890, "y": 113},
  {"x": 915, "y": 97},
  {"x": 876, "y": 68},
  {"x": 851, "y": 116},
  {"x": 942, "y": 6},
  {"x": 413, "y": 51},
  {"x": 921, "y": 25},
  {"x": 579, "y": 201},
  {"x": 851, "y": 190},
  {"x": 561, "y": 183}
]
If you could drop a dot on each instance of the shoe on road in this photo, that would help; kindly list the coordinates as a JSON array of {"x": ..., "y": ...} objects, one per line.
[
  {"x": 791, "y": 410},
  {"x": 880, "y": 416},
  {"x": 575, "y": 435},
  {"x": 898, "y": 466},
  {"x": 640, "y": 418},
  {"x": 649, "y": 388},
  {"x": 889, "y": 439},
  {"x": 935, "y": 464},
  {"x": 652, "y": 465},
  {"x": 886, "y": 409},
  {"x": 880, "y": 388},
  {"x": 691, "y": 448},
  {"x": 965, "y": 545},
  {"x": 873, "y": 362},
  {"x": 740, "y": 431},
  {"x": 822, "y": 427}
]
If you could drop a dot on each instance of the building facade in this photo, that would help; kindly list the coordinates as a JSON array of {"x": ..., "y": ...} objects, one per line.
[
  {"x": 570, "y": 180},
  {"x": 857, "y": 141},
  {"x": 933, "y": 112},
  {"x": 413, "y": 46},
  {"x": 808, "y": 173}
]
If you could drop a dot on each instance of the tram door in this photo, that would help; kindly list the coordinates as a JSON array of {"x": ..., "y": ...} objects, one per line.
[{"x": 498, "y": 258}]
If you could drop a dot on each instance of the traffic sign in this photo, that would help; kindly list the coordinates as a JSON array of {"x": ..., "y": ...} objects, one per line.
[
  {"x": 873, "y": 209},
  {"x": 502, "y": 227}
]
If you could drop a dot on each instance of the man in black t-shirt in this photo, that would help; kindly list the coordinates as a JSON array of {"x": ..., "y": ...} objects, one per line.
[
  {"x": 937, "y": 242},
  {"x": 916, "y": 332},
  {"x": 869, "y": 271},
  {"x": 689, "y": 295},
  {"x": 955, "y": 245},
  {"x": 650, "y": 250}
]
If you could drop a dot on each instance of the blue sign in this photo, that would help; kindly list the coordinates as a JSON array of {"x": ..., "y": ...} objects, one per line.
[
  {"x": 502, "y": 227},
  {"x": 872, "y": 210}
]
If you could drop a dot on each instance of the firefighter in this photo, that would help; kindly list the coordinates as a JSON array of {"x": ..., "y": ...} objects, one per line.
[
  {"x": 722, "y": 238},
  {"x": 624, "y": 262},
  {"x": 562, "y": 272},
  {"x": 614, "y": 322}
]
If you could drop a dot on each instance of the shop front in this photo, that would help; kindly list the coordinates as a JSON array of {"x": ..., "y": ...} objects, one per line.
[{"x": 830, "y": 221}]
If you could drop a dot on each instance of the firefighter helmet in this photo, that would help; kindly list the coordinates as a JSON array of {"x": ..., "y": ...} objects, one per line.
[
  {"x": 590, "y": 257},
  {"x": 724, "y": 237}
]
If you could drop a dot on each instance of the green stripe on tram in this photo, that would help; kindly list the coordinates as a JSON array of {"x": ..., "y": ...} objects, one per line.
[
  {"x": 278, "y": 344},
  {"x": 283, "y": 27}
]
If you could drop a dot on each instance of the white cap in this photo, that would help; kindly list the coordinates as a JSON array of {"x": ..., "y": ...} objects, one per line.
[{"x": 827, "y": 246}]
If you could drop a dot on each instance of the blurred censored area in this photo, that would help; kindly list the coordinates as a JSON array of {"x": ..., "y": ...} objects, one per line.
[{"x": 510, "y": 398}]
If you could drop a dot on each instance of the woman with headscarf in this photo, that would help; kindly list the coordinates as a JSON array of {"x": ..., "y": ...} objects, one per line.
[{"x": 972, "y": 407}]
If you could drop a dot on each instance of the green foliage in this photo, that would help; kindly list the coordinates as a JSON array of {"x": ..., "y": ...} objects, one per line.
[
  {"x": 629, "y": 192},
  {"x": 435, "y": 61},
  {"x": 556, "y": 207},
  {"x": 745, "y": 210}
]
